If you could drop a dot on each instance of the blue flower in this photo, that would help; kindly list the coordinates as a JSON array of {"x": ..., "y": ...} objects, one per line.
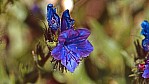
[
  {"x": 72, "y": 44},
  {"x": 145, "y": 32},
  {"x": 52, "y": 18},
  {"x": 72, "y": 47}
]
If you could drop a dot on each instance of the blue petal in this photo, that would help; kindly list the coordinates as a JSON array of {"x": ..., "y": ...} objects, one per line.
[
  {"x": 57, "y": 52},
  {"x": 70, "y": 36},
  {"x": 144, "y": 24},
  {"x": 52, "y": 18},
  {"x": 82, "y": 49},
  {"x": 68, "y": 58},
  {"x": 83, "y": 34},
  {"x": 67, "y": 35},
  {"x": 71, "y": 65},
  {"x": 146, "y": 72},
  {"x": 145, "y": 44},
  {"x": 66, "y": 21},
  {"x": 145, "y": 32}
]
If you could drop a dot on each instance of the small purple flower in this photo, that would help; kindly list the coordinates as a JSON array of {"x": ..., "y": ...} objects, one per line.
[
  {"x": 52, "y": 18},
  {"x": 73, "y": 45},
  {"x": 145, "y": 44},
  {"x": 66, "y": 21},
  {"x": 146, "y": 71}
]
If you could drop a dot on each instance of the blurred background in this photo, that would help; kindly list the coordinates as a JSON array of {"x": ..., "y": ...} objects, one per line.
[{"x": 114, "y": 26}]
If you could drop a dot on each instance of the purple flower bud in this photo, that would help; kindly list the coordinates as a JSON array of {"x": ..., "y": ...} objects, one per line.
[
  {"x": 52, "y": 18},
  {"x": 66, "y": 22},
  {"x": 145, "y": 28},
  {"x": 145, "y": 44}
]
